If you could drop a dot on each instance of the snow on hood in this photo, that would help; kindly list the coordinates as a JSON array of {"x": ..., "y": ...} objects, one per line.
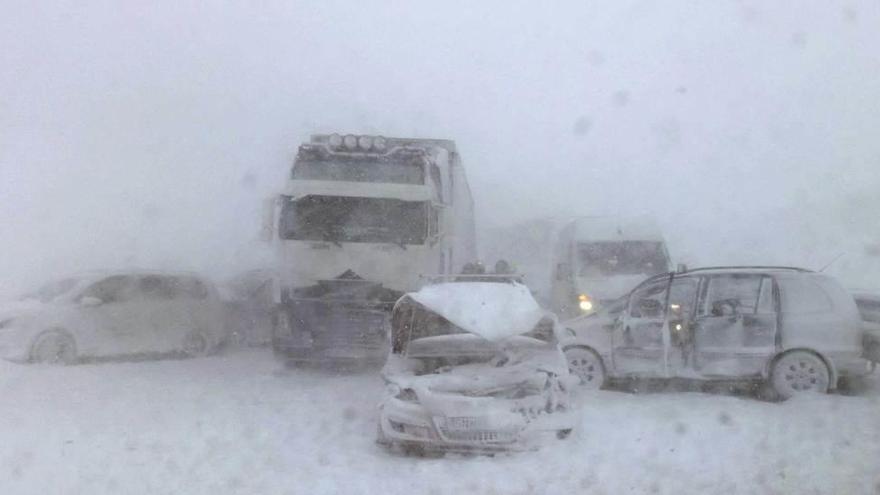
[{"x": 494, "y": 311}]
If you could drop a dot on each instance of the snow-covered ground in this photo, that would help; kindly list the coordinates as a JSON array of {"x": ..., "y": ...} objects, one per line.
[{"x": 238, "y": 423}]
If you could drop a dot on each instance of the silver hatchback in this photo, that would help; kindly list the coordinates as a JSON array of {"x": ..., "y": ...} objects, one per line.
[{"x": 798, "y": 330}]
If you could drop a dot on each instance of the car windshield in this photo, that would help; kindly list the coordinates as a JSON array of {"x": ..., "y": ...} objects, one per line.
[
  {"x": 350, "y": 219},
  {"x": 53, "y": 290},
  {"x": 621, "y": 258}
]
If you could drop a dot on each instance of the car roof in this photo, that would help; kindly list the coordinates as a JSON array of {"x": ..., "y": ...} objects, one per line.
[{"x": 744, "y": 270}]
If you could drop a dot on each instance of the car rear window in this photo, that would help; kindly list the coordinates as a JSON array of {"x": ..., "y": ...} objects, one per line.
[{"x": 802, "y": 295}]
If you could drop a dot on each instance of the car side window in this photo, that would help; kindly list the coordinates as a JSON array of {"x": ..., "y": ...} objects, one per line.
[
  {"x": 156, "y": 288},
  {"x": 682, "y": 297},
  {"x": 115, "y": 289},
  {"x": 648, "y": 300},
  {"x": 191, "y": 287},
  {"x": 802, "y": 295},
  {"x": 731, "y": 295}
]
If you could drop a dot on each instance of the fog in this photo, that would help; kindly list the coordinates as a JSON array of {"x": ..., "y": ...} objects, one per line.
[{"x": 147, "y": 135}]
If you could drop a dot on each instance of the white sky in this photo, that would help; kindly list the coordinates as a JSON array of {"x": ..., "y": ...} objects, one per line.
[{"x": 148, "y": 134}]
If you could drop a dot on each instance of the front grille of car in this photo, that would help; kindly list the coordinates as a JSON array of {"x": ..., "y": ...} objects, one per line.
[{"x": 478, "y": 436}]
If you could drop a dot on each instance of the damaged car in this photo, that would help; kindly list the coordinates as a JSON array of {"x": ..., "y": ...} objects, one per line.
[
  {"x": 796, "y": 330},
  {"x": 473, "y": 367}
]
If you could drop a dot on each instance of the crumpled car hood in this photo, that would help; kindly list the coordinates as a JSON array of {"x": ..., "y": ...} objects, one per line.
[
  {"x": 494, "y": 311},
  {"x": 534, "y": 380}
]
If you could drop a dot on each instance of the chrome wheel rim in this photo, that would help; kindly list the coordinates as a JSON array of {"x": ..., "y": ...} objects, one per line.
[
  {"x": 800, "y": 373},
  {"x": 586, "y": 366}
]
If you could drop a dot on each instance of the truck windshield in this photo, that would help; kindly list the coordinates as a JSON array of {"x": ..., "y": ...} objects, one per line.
[
  {"x": 621, "y": 258},
  {"x": 349, "y": 219},
  {"x": 361, "y": 169}
]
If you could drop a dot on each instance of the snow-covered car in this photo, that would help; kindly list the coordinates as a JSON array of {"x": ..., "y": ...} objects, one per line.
[
  {"x": 473, "y": 367},
  {"x": 111, "y": 314},
  {"x": 798, "y": 330}
]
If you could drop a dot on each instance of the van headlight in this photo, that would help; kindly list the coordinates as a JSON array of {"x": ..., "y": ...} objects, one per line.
[{"x": 585, "y": 302}]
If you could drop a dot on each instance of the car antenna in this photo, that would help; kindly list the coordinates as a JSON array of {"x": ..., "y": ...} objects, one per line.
[{"x": 831, "y": 262}]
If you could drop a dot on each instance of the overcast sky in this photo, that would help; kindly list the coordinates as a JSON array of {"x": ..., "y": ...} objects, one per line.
[{"x": 148, "y": 134}]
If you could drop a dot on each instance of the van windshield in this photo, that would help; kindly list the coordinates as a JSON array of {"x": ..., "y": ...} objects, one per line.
[{"x": 621, "y": 258}]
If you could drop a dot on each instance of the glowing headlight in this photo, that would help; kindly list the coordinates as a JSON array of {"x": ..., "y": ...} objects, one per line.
[{"x": 585, "y": 303}]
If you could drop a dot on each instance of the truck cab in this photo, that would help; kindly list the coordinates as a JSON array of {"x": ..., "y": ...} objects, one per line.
[{"x": 359, "y": 221}]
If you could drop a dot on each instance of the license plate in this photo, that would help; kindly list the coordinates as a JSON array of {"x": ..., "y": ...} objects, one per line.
[{"x": 461, "y": 423}]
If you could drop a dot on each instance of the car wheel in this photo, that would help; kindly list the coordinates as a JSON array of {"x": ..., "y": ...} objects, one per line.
[
  {"x": 587, "y": 366},
  {"x": 54, "y": 348},
  {"x": 799, "y": 372},
  {"x": 196, "y": 344}
]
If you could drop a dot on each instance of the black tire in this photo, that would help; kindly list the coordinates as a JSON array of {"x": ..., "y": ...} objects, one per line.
[
  {"x": 54, "y": 347},
  {"x": 196, "y": 344},
  {"x": 587, "y": 366}
]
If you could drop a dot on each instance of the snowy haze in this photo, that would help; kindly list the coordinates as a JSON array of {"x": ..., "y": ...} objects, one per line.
[{"x": 146, "y": 135}]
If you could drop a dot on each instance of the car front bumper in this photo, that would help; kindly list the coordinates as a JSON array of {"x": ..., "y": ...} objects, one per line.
[
  {"x": 409, "y": 424},
  {"x": 14, "y": 345}
]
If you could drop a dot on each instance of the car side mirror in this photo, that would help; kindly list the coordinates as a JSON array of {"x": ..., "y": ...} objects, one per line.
[{"x": 90, "y": 301}]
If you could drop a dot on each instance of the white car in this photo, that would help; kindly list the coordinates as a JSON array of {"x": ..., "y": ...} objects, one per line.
[
  {"x": 474, "y": 367},
  {"x": 798, "y": 330},
  {"x": 111, "y": 314}
]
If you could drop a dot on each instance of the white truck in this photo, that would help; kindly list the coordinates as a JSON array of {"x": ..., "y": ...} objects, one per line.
[
  {"x": 361, "y": 221},
  {"x": 575, "y": 265}
]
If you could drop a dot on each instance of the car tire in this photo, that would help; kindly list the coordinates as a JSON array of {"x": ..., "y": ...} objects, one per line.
[
  {"x": 587, "y": 366},
  {"x": 196, "y": 344},
  {"x": 54, "y": 347},
  {"x": 799, "y": 372}
]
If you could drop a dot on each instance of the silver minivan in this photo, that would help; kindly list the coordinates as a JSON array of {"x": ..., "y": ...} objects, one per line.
[{"x": 799, "y": 330}]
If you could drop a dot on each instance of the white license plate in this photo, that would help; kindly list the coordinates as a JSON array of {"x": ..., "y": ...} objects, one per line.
[{"x": 461, "y": 423}]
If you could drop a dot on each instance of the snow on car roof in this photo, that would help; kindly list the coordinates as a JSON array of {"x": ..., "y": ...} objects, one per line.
[{"x": 494, "y": 311}]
